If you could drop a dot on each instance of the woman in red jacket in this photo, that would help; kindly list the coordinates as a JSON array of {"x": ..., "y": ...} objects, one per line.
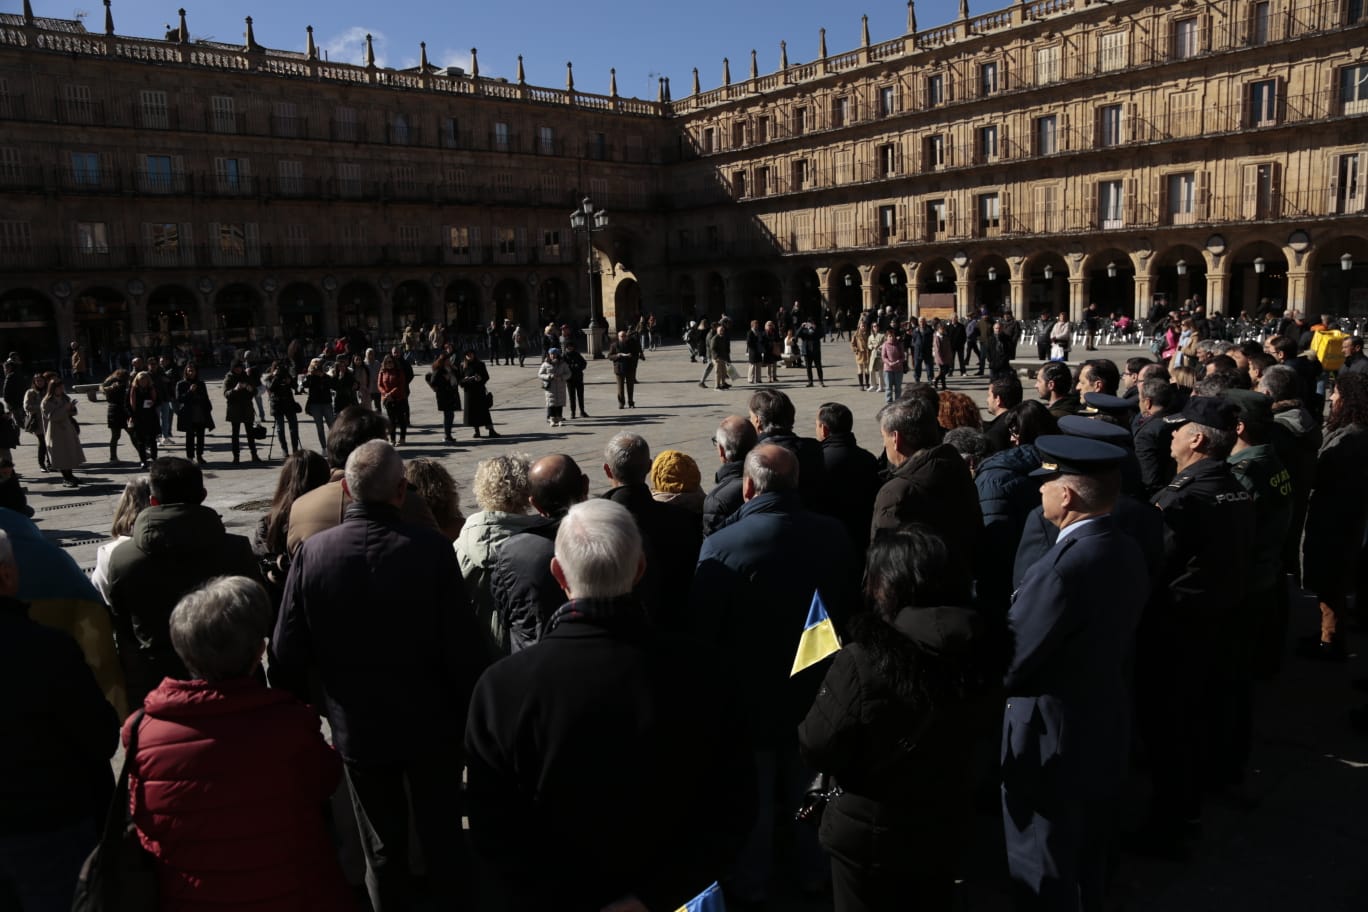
[
  {"x": 230, "y": 779},
  {"x": 394, "y": 393}
]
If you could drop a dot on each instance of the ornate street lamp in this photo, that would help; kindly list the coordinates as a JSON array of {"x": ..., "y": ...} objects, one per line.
[
  {"x": 586, "y": 221},
  {"x": 1049, "y": 272},
  {"x": 1347, "y": 262},
  {"x": 1260, "y": 265},
  {"x": 1111, "y": 270},
  {"x": 1182, "y": 267}
]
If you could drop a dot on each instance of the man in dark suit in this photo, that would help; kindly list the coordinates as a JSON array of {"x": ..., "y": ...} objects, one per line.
[
  {"x": 588, "y": 750},
  {"x": 1067, "y": 726}
]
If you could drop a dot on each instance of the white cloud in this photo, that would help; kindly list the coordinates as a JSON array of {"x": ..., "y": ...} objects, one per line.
[{"x": 350, "y": 46}]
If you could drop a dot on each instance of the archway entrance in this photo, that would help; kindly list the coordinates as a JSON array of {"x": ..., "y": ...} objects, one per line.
[
  {"x": 627, "y": 304},
  {"x": 717, "y": 297},
  {"x": 936, "y": 289},
  {"x": 412, "y": 305},
  {"x": 462, "y": 308},
  {"x": 847, "y": 292},
  {"x": 1047, "y": 287},
  {"x": 101, "y": 317},
  {"x": 1179, "y": 274},
  {"x": 761, "y": 297},
  {"x": 1258, "y": 279},
  {"x": 171, "y": 320},
  {"x": 510, "y": 303},
  {"x": 687, "y": 300},
  {"x": 992, "y": 284},
  {"x": 358, "y": 309},
  {"x": 301, "y": 313},
  {"x": 26, "y": 322},
  {"x": 1340, "y": 271},
  {"x": 553, "y": 302},
  {"x": 891, "y": 283},
  {"x": 1110, "y": 283},
  {"x": 237, "y": 309}
]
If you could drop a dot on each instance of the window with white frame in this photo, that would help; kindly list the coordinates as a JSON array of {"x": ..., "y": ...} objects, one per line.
[
  {"x": 1349, "y": 183},
  {"x": 840, "y": 111},
  {"x": 1047, "y": 135},
  {"x": 709, "y": 140},
  {"x": 506, "y": 241},
  {"x": 1185, "y": 38},
  {"x": 11, "y": 168},
  {"x": 888, "y": 224},
  {"x": 1111, "y": 51},
  {"x": 1263, "y": 103},
  {"x": 989, "y": 213},
  {"x": 888, "y": 160},
  {"x": 348, "y": 179},
  {"x": 799, "y": 173},
  {"x": 1110, "y": 204},
  {"x": 1047, "y": 65},
  {"x": 16, "y": 237},
  {"x": 935, "y": 216},
  {"x": 988, "y": 143},
  {"x": 1110, "y": 124},
  {"x": 158, "y": 176},
  {"x": 227, "y": 174},
  {"x": 231, "y": 241},
  {"x": 80, "y": 107},
  {"x": 92, "y": 238},
  {"x": 801, "y": 120},
  {"x": 1182, "y": 198},
  {"x": 163, "y": 241},
  {"x": 291, "y": 174},
  {"x": 344, "y": 124},
  {"x": 935, "y": 151},
  {"x": 286, "y": 119},
  {"x": 551, "y": 243},
  {"x": 1259, "y": 21},
  {"x": 546, "y": 140},
  {"x": 988, "y": 78},
  {"x": 1353, "y": 84},
  {"x": 887, "y": 100},
  {"x": 85, "y": 169}
]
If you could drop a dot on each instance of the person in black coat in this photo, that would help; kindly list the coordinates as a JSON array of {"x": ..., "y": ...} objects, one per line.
[
  {"x": 671, "y": 534},
  {"x": 574, "y": 387},
  {"x": 240, "y": 391},
  {"x": 734, "y": 438},
  {"x": 772, "y": 415},
  {"x": 375, "y": 611},
  {"x": 1066, "y": 729},
  {"x": 915, "y": 686},
  {"x": 756, "y": 580},
  {"x": 60, "y": 732},
  {"x": 194, "y": 412},
  {"x": 607, "y": 764},
  {"x": 810, "y": 340},
  {"x": 446, "y": 387},
  {"x": 524, "y": 591},
  {"x": 1154, "y": 435},
  {"x": 280, "y": 389},
  {"x": 474, "y": 377},
  {"x": 852, "y": 472}
]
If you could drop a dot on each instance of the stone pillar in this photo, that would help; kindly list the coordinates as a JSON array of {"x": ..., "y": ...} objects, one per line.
[
  {"x": 867, "y": 301},
  {"x": 963, "y": 292},
  {"x": 1301, "y": 291},
  {"x": 823, "y": 286},
  {"x": 331, "y": 325},
  {"x": 1143, "y": 284},
  {"x": 208, "y": 319},
  {"x": 1215, "y": 291},
  {"x": 913, "y": 289},
  {"x": 1077, "y": 298},
  {"x": 270, "y": 312},
  {"x": 1018, "y": 293}
]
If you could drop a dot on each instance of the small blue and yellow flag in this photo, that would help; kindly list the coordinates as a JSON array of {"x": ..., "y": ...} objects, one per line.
[
  {"x": 819, "y": 638},
  {"x": 710, "y": 900}
]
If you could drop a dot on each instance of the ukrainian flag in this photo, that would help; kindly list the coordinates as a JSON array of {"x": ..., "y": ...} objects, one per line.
[
  {"x": 710, "y": 900},
  {"x": 819, "y": 638}
]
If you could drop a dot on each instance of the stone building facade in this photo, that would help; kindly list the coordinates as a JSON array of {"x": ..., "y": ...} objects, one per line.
[{"x": 169, "y": 192}]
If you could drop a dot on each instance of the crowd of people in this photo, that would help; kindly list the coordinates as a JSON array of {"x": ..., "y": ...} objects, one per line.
[{"x": 615, "y": 674}]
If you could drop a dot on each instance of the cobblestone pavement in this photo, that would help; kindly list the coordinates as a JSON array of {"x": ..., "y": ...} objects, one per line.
[{"x": 1299, "y": 842}]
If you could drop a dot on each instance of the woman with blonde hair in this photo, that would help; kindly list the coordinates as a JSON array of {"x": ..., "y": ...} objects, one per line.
[
  {"x": 859, "y": 345},
  {"x": 439, "y": 491},
  {"x": 61, "y": 432},
  {"x": 134, "y": 499}
]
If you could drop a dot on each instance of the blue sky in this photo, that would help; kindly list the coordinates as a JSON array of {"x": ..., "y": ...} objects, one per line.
[{"x": 642, "y": 40}]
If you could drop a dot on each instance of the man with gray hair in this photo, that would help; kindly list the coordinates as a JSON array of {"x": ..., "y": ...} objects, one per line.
[
  {"x": 929, "y": 482},
  {"x": 585, "y": 739},
  {"x": 757, "y": 577},
  {"x": 59, "y": 734},
  {"x": 670, "y": 534},
  {"x": 734, "y": 438},
  {"x": 376, "y": 610}
]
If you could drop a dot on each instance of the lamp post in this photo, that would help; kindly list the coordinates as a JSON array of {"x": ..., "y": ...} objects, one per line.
[{"x": 586, "y": 221}]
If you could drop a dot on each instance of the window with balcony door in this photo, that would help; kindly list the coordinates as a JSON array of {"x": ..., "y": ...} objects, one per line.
[
  {"x": 223, "y": 116},
  {"x": 801, "y": 119},
  {"x": 1260, "y": 19},
  {"x": 989, "y": 213},
  {"x": 506, "y": 241},
  {"x": 459, "y": 240},
  {"x": 1182, "y": 198},
  {"x": 888, "y": 160},
  {"x": 887, "y": 101},
  {"x": 152, "y": 104},
  {"x": 11, "y": 165},
  {"x": 232, "y": 241},
  {"x": 888, "y": 224},
  {"x": 935, "y": 151},
  {"x": 349, "y": 179},
  {"x": 410, "y": 236},
  {"x": 935, "y": 217},
  {"x": 286, "y": 119},
  {"x": 799, "y": 174},
  {"x": 1110, "y": 123},
  {"x": 344, "y": 124},
  {"x": 551, "y": 244},
  {"x": 1348, "y": 189},
  {"x": 400, "y": 133},
  {"x": 1110, "y": 204},
  {"x": 80, "y": 108},
  {"x": 296, "y": 236},
  {"x": 501, "y": 137},
  {"x": 738, "y": 134},
  {"x": 1353, "y": 84},
  {"x": 85, "y": 169},
  {"x": 451, "y": 133},
  {"x": 1047, "y": 135},
  {"x": 988, "y": 78},
  {"x": 598, "y": 146},
  {"x": 761, "y": 181},
  {"x": 158, "y": 175},
  {"x": 1185, "y": 38},
  {"x": 546, "y": 140},
  {"x": 762, "y": 129},
  {"x": 1263, "y": 103},
  {"x": 935, "y": 89},
  {"x": 988, "y": 143},
  {"x": 405, "y": 179},
  {"x": 840, "y": 111},
  {"x": 291, "y": 177},
  {"x": 1047, "y": 65},
  {"x": 739, "y": 184},
  {"x": 163, "y": 240},
  {"x": 1112, "y": 51},
  {"x": 92, "y": 238},
  {"x": 709, "y": 141},
  {"x": 227, "y": 174},
  {"x": 15, "y": 237}
]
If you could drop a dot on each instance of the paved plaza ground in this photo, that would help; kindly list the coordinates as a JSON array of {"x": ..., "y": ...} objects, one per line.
[{"x": 1300, "y": 844}]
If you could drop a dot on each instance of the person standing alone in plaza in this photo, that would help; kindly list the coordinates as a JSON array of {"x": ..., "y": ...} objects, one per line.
[{"x": 624, "y": 353}]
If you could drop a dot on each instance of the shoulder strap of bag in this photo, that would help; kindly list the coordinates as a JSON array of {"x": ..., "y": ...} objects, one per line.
[{"x": 117, "y": 818}]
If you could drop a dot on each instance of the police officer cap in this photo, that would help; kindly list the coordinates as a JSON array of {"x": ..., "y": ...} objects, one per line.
[
  {"x": 1064, "y": 455},
  {"x": 1112, "y": 405},
  {"x": 1215, "y": 412},
  {"x": 1081, "y": 426},
  {"x": 553, "y": 351},
  {"x": 1255, "y": 408}
]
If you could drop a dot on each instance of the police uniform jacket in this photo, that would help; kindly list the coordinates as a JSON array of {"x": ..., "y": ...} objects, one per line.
[
  {"x": 1066, "y": 727},
  {"x": 1259, "y": 472},
  {"x": 1153, "y": 441},
  {"x": 1208, "y": 531}
]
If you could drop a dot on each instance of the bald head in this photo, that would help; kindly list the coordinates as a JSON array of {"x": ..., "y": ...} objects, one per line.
[
  {"x": 770, "y": 468},
  {"x": 555, "y": 484}
]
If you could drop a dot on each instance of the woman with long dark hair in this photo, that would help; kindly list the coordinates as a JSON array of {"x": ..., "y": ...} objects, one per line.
[
  {"x": 115, "y": 389},
  {"x": 142, "y": 406},
  {"x": 195, "y": 412},
  {"x": 303, "y": 471},
  {"x": 895, "y": 724},
  {"x": 394, "y": 393},
  {"x": 280, "y": 388},
  {"x": 319, "y": 399},
  {"x": 442, "y": 378},
  {"x": 1337, "y": 514},
  {"x": 474, "y": 379}
]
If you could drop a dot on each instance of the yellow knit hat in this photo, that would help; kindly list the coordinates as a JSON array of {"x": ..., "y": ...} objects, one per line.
[{"x": 674, "y": 472}]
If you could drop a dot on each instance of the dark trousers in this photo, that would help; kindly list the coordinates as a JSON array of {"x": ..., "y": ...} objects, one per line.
[
  {"x": 114, "y": 433},
  {"x": 42, "y": 451},
  {"x": 941, "y": 375},
  {"x": 397, "y": 410},
  {"x": 976, "y": 352},
  {"x": 626, "y": 387},
  {"x": 877, "y": 865},
  {"x": 1168, "y": 695},
  {"x": 38, "y": 871},
  {"x": 251, "y": 441},
  {"x": 959, "y": 354},
  {"x": 1057, "y": 850},
  {"x": 814, "y": 360},
  {"x": 781, "y": 779},
  {"x": 922, "y": 362},
  {"x": 423, "y": 794},
  {"x": 448, "y": 419},
  {"x": 194, "y": 443},
  {"x": 290, "y": 418},
  {"x": 575, "y": 387}
]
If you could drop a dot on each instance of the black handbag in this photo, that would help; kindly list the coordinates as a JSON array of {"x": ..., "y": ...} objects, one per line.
[
  {"x": 258, "y": 432},
  {"x": 816, "y": 797},
  {"x": 119, "y": 875}
]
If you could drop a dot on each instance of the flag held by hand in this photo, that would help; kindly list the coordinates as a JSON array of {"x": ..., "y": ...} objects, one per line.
[
  {"x": 819, "y": 638},
  {"x": 710, "y": 900}
]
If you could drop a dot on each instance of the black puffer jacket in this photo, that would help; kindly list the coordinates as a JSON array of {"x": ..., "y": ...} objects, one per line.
[
  {"x": 725, "y": 499},
  {"x": 525, "y": 593},
  {"x": 895, "y": 723},
  {"x": 115, "y": 390}
]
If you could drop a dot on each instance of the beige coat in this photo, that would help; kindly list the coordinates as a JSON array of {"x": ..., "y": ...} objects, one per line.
[
  {"x": 859, "y": 344},
  {"x": 62, "y": 436}
]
